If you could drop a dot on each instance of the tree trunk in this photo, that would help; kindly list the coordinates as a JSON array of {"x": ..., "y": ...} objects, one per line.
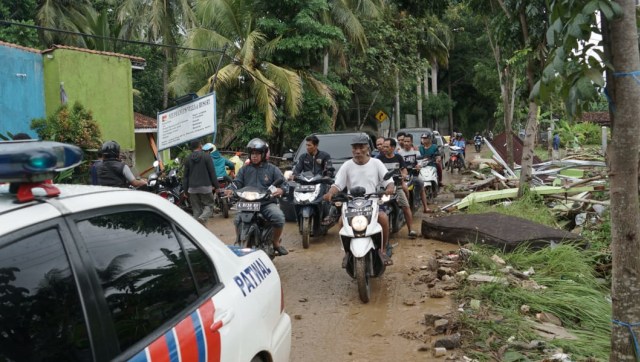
[
  {"x": 165, "y": 80},
  {"x": 434, "y": 76},
  {"x": 325, "y": 64},
  {"x": 623, "y": 160},
  {"x": 425, "y": 81},
  {"x": 397, "y": 107},
  {"x": 419, "y": 99},
  {"x": 450, "y": 108},
  {"x": 529, "y": 144},
  {"x": 508, "y": 89}
]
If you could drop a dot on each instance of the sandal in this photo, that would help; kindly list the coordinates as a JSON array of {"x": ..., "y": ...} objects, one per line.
[
  {"x": 386, "y": 259},
  {"x": 413, "y": 234},
  {"x": 281, "y": 250}
]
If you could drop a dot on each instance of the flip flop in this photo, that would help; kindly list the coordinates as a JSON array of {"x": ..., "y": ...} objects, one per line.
[{"x": 386, "y": 259}]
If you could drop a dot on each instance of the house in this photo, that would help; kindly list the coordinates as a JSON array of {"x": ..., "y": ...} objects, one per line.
[
  {"x": 100, "y": 81},
  {"x": 21, "y": 88}
]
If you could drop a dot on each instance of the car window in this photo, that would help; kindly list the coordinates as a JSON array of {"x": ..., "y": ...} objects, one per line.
[
  {"x": 146, "y": 276},
  {"x": 41, "y": 316}
]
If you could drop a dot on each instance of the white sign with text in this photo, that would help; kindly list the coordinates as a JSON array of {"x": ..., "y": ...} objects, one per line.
[{"x": 187, "y": 122}]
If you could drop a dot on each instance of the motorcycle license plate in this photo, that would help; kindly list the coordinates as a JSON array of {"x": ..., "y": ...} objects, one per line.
[
  {"x": 306, "y": 188},
  {"x": 350, "y": 212},
  {"x": 248, "y": 206}
]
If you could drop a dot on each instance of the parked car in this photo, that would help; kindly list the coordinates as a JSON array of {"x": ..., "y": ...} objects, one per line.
[
  {"x": 91, "y": 273},
  {"x": 337, "y": 144},
  {"x": 443, "y": 146}
]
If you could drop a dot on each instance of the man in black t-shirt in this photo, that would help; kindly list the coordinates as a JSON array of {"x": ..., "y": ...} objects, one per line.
[{"x": 393, "y": 161}]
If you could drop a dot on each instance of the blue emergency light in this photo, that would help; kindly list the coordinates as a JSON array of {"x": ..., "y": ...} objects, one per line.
[
  {"x": 33, "y": 161},
  {"x": 29, "y": 165}
]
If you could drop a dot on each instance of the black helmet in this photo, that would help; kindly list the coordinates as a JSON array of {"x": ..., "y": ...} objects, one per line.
[
  {"x": 259, "y": 145},
  {"x": 110, "y": 150}
]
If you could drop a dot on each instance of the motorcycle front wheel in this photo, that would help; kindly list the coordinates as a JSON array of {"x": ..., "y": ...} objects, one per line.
[
  {"x": 224, "y": 205},
  {"x": 306, "y": 232},
  {"x": 362, "y": 277}
]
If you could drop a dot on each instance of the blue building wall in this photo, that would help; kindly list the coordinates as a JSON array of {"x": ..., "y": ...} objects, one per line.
[{"x": 21, "y": 89}]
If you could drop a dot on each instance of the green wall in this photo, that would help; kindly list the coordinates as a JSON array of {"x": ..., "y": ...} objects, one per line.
[{"x": 99, "y": 82}]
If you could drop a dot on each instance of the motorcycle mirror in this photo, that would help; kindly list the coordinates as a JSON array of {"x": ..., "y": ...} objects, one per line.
[
  {"x": 358, "y": 191},
  {"x": 156, "y": 163},
  {"x": 390, "y": 174}
]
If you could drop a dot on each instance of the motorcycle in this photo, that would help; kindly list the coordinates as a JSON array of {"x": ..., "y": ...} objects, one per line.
[
  {"x": 253, "y": 230},
  {"x": 221, "y": 203},
  {"x": 414, "y": 186},
  {"x": 429, "y": 178},
  {"x": 392, "y": 208},
  {"x": 310, "y": 208},
  {"x": 455, "y": 160},
  {"x": 478, "y": 144},
  {"x": 361, "y": 237}
]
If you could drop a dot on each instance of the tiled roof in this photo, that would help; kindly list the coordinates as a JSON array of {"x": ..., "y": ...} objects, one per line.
[
  {"x": 130, "y": 57},
  {"x": 601, "y": 118},
  {"x": 11, "y": 45},
  {"x": 144, "y": 122}
]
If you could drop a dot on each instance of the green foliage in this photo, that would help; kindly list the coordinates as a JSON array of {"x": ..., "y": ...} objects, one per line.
[
  {"x": 578, "y": 134},
  {"x": 437, "y": 106},
  {"x": 22, "y": 12},
  {"x": 75, "y": 126},
  {"x": 580, "y": 71}
]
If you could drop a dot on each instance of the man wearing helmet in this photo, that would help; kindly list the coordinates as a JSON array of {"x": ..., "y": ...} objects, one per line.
[
  {"x": 219, "y": 162},
  {"x": 199, "y": 181},
  {"x": 367, "y": 172},
  {"x": 261, "y": 174},
  {"x": 113, "y": 172}
]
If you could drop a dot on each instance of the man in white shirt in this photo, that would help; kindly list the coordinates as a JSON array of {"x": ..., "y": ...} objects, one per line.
[{"x": 367, "y": 172}]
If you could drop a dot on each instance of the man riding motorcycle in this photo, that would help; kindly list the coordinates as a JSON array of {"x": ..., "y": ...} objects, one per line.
[
  {"x": 393, "y": 161},
  {"x": 366, "y": 172},
  {"x": 430, "y": 151},
  {"x": 314, "y": 160},
  {"x": 411, "y": 160},
  {"x": 261, "y": 174}
]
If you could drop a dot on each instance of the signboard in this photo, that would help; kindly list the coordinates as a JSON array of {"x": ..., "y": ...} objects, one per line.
[
  {"x": 381, "y": 116},
  {"x": 187, "y": 122}
]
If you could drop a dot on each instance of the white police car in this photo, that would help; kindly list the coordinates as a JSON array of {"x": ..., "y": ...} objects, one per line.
[{"x": 95, "y": 274}]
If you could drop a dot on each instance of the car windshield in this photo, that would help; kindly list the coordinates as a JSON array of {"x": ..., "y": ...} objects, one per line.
[{"x": 338, "y": 146}]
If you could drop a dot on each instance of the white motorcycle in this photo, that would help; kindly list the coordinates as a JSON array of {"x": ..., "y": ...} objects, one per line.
[
  {"x": 429, "y": 178},
  {"x": 361, "y": 237}
]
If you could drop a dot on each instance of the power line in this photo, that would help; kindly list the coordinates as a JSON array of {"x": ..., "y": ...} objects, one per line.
[
  {"x": 108, "y": 38},
  {"x": 221, "y": 51}
]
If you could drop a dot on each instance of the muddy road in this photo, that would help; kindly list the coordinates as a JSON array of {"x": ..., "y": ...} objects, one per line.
[{"x": 330, "y": 323}]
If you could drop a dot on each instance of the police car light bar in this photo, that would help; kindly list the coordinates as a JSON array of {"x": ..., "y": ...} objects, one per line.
[{"x": 29, "y": 164}]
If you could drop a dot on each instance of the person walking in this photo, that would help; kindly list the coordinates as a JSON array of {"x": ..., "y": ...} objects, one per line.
[{"x": 199, "y": 181}]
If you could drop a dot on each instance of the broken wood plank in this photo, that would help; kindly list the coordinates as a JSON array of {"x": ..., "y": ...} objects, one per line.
[
  {"x": 589, "y": 201},
  {"x": 511, "y": 193}
]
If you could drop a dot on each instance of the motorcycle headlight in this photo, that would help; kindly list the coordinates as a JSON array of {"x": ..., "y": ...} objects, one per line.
[
  {"x": 359, "y": 223},
  {"x": 250, "y": 195}
]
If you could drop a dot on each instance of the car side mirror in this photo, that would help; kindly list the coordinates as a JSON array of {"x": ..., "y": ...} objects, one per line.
[{"x": 288, "y": 156}]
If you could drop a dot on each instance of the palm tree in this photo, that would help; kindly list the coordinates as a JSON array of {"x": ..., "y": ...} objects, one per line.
[
  {"x": 247, "y": 70},
  {"x": 64, "y": 15},
  {"x": 160, "y": 21},
  {"x": 347, "y": 15}
]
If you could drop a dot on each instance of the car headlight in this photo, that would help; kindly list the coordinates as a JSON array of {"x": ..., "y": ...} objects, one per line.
[{"x": 359, "y": 223}]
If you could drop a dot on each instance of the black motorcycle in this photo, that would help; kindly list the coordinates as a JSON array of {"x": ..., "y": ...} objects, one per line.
[
  {"x": 253, "y": 230},
  {"x": 391, "y": 206},
  {"x": 310, "y": 208}
]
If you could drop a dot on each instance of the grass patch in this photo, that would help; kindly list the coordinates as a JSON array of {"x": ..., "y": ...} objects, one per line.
[
  {"x": 573, "y": 294},
  {"x": 530, "y": 207}
]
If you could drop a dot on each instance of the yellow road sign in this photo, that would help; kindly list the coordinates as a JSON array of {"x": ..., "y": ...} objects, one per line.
[{"x": 381, "y": 116}]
